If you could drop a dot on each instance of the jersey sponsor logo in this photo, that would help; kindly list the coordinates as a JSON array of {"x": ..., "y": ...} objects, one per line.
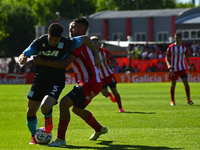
[
  {"x": 49, "y": 53},
  {"x": 60, "y": 45},
  {"x": 30, "y": 94},
  {"x": 90, "y": 96},
  {"x": 43, "y": 45}
]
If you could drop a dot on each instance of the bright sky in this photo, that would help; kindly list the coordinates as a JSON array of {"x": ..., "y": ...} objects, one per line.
[{"x": 186, "y": 1}]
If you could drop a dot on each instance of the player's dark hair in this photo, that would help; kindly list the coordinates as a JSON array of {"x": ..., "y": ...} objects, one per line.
[
  {"x": 178, "y": 34},
  {"x": 55, "y": 30},
  {"x": 84, "y": 22}
]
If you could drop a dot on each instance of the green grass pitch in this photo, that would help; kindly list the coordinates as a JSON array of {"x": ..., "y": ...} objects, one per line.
[{"x": 149, "y": 121}]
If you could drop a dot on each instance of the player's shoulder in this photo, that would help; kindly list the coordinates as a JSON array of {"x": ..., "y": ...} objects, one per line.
[
  {"x": 42, "y": 38},
  {"x": 171, "y": 45},
  {"x": 66, "y": 39},
  {"x": 183, "y": 44},
  {"x": 103, "y": 49}
]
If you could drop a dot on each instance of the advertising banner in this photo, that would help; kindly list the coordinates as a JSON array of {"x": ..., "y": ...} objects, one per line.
[{"x": 142, "y": 77}]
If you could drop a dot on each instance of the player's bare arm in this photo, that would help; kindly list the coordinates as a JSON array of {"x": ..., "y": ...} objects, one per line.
[
  {"x": 60, "y": 64},
  {"x": 86, "y": 40},
  {"x": 188, "y": 63},
  {"x": 167, "y": 61},
  {"x": 22, "y": 59}
]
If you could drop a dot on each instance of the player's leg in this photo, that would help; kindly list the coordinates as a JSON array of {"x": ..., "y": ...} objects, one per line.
[
  {"x": 65, "y": 104},
  {"x": 172, "y": 91},
  {"x": 107, "y": 93},
  {"x": 52, "y": 93},
  {"x": 91, "y": 121},
  {"x": 187, "y": 89},
  {"x": 46, "y": 107},
  {"x": 117, "y": 98},
  {"x": 173, "y": 76},
  {"x": 32, "y": 118},
  {"x": 104, "y": 90}
]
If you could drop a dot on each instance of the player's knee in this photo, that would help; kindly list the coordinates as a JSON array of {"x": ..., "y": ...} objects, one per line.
[
  {"x": 45, "y": 109},
  {"x": 66, "y": 102}
]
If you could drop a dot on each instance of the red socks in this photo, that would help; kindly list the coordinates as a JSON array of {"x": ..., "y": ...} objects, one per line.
[
  {"x": 187, "y": 90},
  {"x": 91, "y": 121},
  {"x": 118, "y": 100},
  {"x": 172, "y": 93},
  {"x": 62, "y": 128}
]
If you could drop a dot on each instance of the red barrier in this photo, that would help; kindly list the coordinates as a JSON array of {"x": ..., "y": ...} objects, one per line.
[{"x": 143, "y": 64}]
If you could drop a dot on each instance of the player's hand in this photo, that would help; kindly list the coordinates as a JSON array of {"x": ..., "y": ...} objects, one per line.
[
  {"x": 98, "y": 61},
  {"x": 169, "y": 67},
  {"x": 190, "y": 69},
  {"x": 37, "y": 60},
  {"x": 22, "y": 59}
]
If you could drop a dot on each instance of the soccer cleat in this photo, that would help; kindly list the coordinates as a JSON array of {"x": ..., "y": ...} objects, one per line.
[
  {"x": 172, "y": 103},
  {"x": 48, "y": 125},
  {"x": 96, "y": 135},
  {"x": 190, "y": 102},
  {"x": 33, "y": 141},
  {"x": 121, "y": 110},
  {"x": 58, "y": 143},
  {"x": 112, "y": 98}
]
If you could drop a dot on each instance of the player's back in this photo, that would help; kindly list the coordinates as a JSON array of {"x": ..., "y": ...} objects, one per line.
[
  {"x": 104, "y": 69},
  {"x": 84, "y": 66}
]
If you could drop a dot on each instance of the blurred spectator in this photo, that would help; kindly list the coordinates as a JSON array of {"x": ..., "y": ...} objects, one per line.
[
  {"x": 129, "y": 69},
  {"x": 123, "y": 68},
  {"x": 3, "y": 66},
  {"x": 153, "y": 68},
  {"x": 164, "y": 47},
  {"x": 11, "y": 65},
  {"x": 193, "y": 47},
  {"x": 159, "y": 68},
  {"x": 196, "y": 53},
  {"x": 151, "y": 54},
  {"x": 148, "y": 68},
  {"x": 146, "y": 46},
  {"x": 136, "y": 69},
  {"x": 117, "y": 68},
  {"x": 193, "y": 67},
  {"x": 129, "y": 49},
  {"x": 157, "y": 51},
  {"x": 145, "y": 54},
  {"x": 137, "y": 52}
]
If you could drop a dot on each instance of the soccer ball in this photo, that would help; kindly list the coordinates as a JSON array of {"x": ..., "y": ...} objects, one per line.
[{"x": 42, "y": 137}]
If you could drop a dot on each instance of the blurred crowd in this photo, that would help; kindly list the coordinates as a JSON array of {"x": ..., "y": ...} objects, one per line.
[
  {"x": 152, "y": 51},
  {"x": 156, "y": 51},
  {"x": 134, "y": 52},
  {"x": 10, "y": 65}
]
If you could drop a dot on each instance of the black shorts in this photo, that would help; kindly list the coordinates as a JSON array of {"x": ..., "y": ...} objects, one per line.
[
  {"x": 111, "y": 85},
  {"x": 43, "y": 86},
  {"x": 77, "y": 96}
]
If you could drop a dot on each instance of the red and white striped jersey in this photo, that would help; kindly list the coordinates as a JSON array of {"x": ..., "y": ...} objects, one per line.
[
  {"x": 104, "y": 69},
  {"x": 176, "y": 55},
  {"x": 84, "y": 65}
]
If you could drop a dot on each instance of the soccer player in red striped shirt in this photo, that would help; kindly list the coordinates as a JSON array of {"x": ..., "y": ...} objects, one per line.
[
  {"x": 176, "y": 55},
  {"x": 89, "y": 84},
  {"x": 106, "y": 74}
]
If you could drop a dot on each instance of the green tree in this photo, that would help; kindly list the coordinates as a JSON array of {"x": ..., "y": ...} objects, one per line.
[
  {"x": 19, "y": 27},
  {"x": 134, "y": 4},
  {"x": 184, "y": 5}
]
